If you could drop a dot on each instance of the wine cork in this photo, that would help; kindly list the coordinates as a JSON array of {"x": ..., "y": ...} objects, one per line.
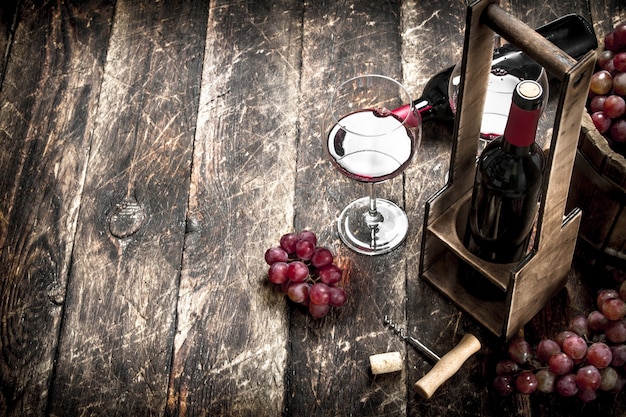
[{"x": 384, "y": 363}]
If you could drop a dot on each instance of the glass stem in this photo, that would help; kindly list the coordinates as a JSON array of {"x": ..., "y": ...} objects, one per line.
[
  {"x": 373, "y": 218},
  {"x": 373, "y": 211}
]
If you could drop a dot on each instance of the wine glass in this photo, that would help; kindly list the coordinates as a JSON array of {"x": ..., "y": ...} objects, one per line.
[{"x": 370, "y": 131}]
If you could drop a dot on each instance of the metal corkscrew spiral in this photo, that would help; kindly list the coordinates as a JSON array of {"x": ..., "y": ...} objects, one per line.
[{"x": 413, "y": 341}]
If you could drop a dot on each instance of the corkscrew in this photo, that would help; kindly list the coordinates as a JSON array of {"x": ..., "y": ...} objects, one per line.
[
  {"x": 445, "y": 366},
  {"x": 413, "y": 341}
]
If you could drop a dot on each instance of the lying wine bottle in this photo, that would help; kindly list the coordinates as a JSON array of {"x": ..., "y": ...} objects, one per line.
[{"x": 571, "y": 33}]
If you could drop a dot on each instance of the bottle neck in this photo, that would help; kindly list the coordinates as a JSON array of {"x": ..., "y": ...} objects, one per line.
[
  {"x": 434, "y": 103},
  {"x": 521, "y": 126}
]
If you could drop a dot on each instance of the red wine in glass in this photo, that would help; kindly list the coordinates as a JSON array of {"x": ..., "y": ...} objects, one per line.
[{"x": 371, "y": 158}]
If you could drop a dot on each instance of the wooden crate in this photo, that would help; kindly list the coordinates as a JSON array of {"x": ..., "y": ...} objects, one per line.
[
  {"x": 598, "y": 188},
  {"x": 529, "y": 284}
]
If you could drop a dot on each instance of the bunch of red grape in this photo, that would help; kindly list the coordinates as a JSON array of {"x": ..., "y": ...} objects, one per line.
[
  {"x": 588, "y": 357},
  {"x": 306, "y": 273},
  {"x": 607, "y": 104}
]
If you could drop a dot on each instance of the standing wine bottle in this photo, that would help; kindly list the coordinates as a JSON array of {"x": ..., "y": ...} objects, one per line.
[
  {"x": 508, "y": 183},
  {"x": 572, "y": 33}
]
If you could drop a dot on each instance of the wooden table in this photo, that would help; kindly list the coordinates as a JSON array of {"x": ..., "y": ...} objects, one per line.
[{"x": 151, "y": 152}]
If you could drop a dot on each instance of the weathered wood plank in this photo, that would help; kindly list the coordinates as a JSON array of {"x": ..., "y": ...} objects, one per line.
[
  {"x": 328, "y": 367},
  {"x": 49, "y": 94},
  {"x": 118, "y": 328},
  {"x": 238, "y": 348},
  {"x": 231, "y": 342},
  {"x": 606, "y": 14},
  {"x": 8, "y": 18},
  {"x": 433, "y": 40}
]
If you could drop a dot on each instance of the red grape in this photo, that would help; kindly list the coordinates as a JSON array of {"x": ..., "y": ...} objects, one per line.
[
  {"x": 619, "y": 355},
  {"x": 546, "y": 380},
  {"x": 604, "y": 58},
  {"x": 321, "y": 257},
  {"x": 575, "y": 347},
  {"x": 587, "y": 395},
  {"x": 305, "y": 249},
  {"x": 288, "y": 242},
  {"x": 337, "y": 296},
  {"x": 546, "y": 348},
  {"x": 579, "y": 325},
  {"x": 308, "y": 235},
  {"x": 601, "y": 82},
  {"x": 562, "y": 336},
  {"x": 622, "y": 291},
  {"x": 619, "y": 384},
  {"x": 298, "y": 292},
  {"x": 619, "y": 34},
  {"x": 609, "y": 42},
  {"x": 520, "y": 351},
  {"x": 616, "y": 331},
  {"x": 566, "y": 385},
  {"x": 618, "y": 130},
  {"x": 597, "y": 321},
  {"x": 606, "y": 294},
  {"x": 614, "y": 106},
  {"x": 330, "y": 274},
  {"x": 589, "y": 356},
  {"x": 561, "y": 364},
  {"x": 526, "y": 382},
  {"x": 588, "y": 378},
  {"x": 597, "y": 104},
  {"x": 619, "y": 62},
  {"x": 319, "y": 293},
  {"x": 614, "y": 309},
  {"x": 599, "y": 355},
  {"x": 608, "y": 379},
  {"x": 601, "y": 121},
  {"x": 503, "y": 384},
  {"x": 278, "y": 272},
  {"x": 318, "y": 311},
  {"x": 506, "y": 366},
  {"x": 619, "y": 84},
  {"x": 297, "y": 271},
  {"x": 277, "y": 254}
]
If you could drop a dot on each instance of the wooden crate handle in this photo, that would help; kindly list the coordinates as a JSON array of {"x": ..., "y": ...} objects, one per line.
[{"x": 548, "y": 55}]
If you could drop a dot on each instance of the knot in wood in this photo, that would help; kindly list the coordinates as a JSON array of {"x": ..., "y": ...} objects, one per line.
[{"x": 126, "y": 219}]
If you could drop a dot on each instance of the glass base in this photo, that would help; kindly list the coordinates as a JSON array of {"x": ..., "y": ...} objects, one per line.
[{"x": 365, "y": 234}]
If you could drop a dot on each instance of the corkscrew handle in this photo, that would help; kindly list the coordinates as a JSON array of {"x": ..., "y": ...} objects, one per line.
[{"x": 447, "y": 366}]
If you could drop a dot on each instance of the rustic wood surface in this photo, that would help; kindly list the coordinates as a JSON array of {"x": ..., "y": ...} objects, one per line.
[{"x": 152, "y": 151}]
